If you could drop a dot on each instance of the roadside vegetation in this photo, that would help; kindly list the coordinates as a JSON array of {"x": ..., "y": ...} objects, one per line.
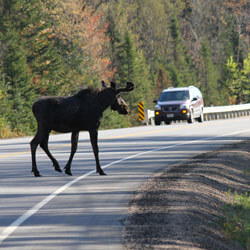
[
  {"x": 236, "y": 223},
  {"x": 6, "y": 132},
  {"x": 55, "y": 47}
]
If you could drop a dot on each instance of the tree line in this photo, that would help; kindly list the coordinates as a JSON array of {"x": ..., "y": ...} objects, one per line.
[{"x": 56, "y": 47}]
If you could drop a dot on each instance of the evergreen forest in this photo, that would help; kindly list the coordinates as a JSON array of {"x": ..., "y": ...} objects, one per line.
[{"x": 56, "y": 47}]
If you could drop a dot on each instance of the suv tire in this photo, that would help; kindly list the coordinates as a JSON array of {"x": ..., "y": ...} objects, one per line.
[
  {"x": 201, "y": 118},
  {"x": 191, "y": 118},
  {"x": 157, "y": 122}
]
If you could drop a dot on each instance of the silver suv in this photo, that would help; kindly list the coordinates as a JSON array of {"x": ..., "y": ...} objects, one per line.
[{"x": 179, "y": 104}]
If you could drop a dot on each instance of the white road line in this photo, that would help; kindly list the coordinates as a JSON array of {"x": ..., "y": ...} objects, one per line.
[{"x": 12, "y": 227}]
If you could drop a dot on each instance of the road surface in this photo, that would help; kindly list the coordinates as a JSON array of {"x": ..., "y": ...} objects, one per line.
[{"x": 86, "y": 211}]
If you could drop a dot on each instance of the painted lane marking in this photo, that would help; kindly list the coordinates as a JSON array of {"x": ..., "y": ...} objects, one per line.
[
  {"x": 13, "y": 226},
  {"x": 107, "y": 138},
  {"x": 118, "y": 137},
  {"x": 13, "y": 154}
]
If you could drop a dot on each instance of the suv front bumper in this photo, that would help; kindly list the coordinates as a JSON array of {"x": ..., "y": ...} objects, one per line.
[{"x": 171, "y": 116}]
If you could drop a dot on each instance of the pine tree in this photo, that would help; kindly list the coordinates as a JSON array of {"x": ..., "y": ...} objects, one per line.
[
  {"x": 30, "y": 62},
  {"x": 208, "y": 76},
  {"x": 44, "y": 56},
  {"x": 115, "y": 18},
  {"x": 179, "y": 66},
  {"x": 132, "y": 67},
  {"x": 15, "y": 67},
  {"x": 4, "y": 107},
  {"x": 162, "y": 80}
]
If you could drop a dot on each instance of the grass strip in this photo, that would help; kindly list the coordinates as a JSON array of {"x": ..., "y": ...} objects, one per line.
[{"x": 236, "y": 222}]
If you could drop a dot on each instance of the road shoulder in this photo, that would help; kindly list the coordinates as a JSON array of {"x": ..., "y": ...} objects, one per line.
[{"x": 180, "y": 208}]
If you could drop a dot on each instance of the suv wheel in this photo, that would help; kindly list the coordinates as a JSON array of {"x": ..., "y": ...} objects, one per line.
[
  {"x": 191, "y": 118},
  {"x": 157, "y": 122},
  {"x": 201, "y": 118}
]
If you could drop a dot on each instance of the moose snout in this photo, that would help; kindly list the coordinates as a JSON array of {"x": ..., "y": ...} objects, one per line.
[{"x": 123, "y": 111}]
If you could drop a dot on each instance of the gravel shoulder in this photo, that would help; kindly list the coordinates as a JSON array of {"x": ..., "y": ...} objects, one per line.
[{"x": 180, "y": 208}]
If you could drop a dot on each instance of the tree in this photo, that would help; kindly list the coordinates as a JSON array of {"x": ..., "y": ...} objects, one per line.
[
  {"x": 208, "y": 76},
  {"x": 239, "y": 80},
  {"x": 17, "y": 82},
  {"x": 4, "y": 107},
  {"x": 132, "y": 67},
  {"x": 54, "y": 47},
  {"x": 81, "y": 35},
  {"x": 30, "y": 61},
  {"x": 180, "y": 65},
  {"x": 151, "y": 28},
  {"x": 162, "y": 80},
  {"x": 240, "y": 11},
  {"x": 15, "y": 67}
]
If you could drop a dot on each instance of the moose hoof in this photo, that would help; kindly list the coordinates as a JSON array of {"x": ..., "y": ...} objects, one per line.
[
  {"x": 37, "y": 174},
  {"x": 58, "y": 169},
  {"x": 68, "y": 172},
  {"x": 101, "y": 172}
]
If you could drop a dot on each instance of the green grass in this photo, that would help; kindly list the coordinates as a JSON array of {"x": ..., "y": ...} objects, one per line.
[
  {"x": 236, "y": 223},
  {"x": 246, "y": 172}
]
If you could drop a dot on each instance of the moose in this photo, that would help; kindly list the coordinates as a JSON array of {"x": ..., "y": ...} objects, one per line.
[{"x": 82, "y": 111}]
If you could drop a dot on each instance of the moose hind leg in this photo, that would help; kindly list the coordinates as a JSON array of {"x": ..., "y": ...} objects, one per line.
[
  {"x": 44, "y": 146},
  {"x": 93, "y": 138},
  {"x": 74, "y": 142}
]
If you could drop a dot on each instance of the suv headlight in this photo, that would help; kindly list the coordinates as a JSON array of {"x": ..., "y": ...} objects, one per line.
[
  {"x": 184, "y": 109},
  {"x": 157, "y": 107},
  {"x": 184, "y": 106}
]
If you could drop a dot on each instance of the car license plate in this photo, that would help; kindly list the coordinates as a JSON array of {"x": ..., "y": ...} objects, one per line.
[{"x": 170, "y": 115}]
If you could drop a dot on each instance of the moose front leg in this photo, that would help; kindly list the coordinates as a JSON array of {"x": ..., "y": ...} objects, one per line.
[{"x": 93, "y": 138}]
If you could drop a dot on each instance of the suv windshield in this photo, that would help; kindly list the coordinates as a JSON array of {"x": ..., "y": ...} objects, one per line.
[{"x": 174, "y": 96}]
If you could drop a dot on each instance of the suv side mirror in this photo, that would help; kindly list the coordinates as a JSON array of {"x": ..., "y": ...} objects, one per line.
[{"x": 155, "y": 101}]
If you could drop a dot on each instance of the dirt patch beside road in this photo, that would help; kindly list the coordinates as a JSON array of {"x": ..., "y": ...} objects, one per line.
[{"x": 181, "y": 207}]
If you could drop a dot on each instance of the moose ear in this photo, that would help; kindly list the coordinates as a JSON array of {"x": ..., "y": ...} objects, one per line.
[
  {"x": 129, "y": 87},
  {"x": 113, "y": 85},
  {"x": 104, "y": 85}
]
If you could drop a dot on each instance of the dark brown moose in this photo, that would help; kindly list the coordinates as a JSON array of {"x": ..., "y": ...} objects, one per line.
[{"x": 82, "y": 111}]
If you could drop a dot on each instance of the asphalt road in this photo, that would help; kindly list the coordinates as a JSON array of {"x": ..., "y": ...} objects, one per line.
[{"x": 86, "y": 211}]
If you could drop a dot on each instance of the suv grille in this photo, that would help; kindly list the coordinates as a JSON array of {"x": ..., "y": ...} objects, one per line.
[{"x": 170, "y": 108}]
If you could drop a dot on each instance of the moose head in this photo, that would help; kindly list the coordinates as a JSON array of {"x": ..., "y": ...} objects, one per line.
[{"x": 118, "y": 104}]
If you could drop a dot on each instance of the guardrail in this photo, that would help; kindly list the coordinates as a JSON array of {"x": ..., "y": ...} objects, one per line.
[
  {"x": 212, "y": 113},
  {"x": 226, "y": 112}
]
